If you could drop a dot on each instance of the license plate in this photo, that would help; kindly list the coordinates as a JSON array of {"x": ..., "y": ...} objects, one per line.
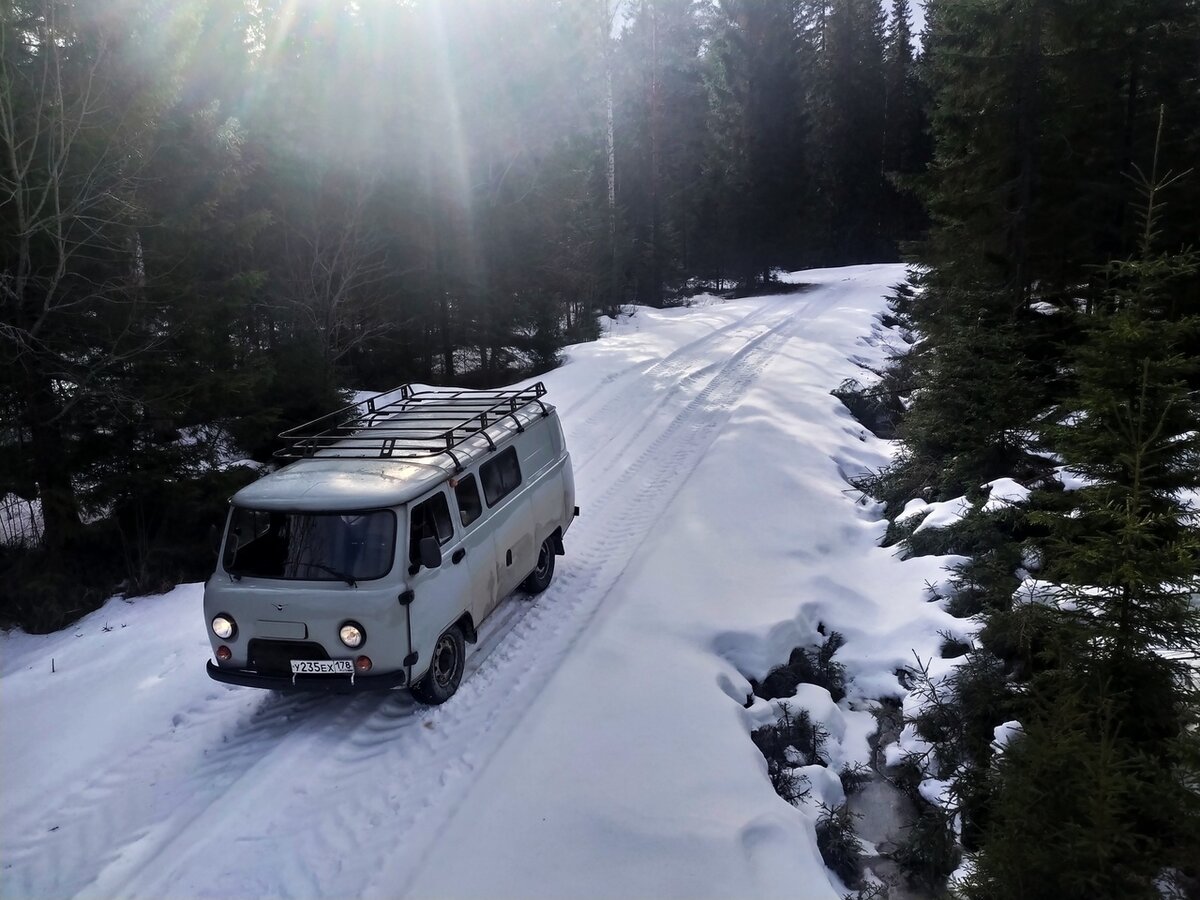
[{"x": 322, "y": 667}]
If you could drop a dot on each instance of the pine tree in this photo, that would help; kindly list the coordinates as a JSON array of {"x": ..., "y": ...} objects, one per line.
[
  {"x": 1039, "y": 293},
  {"x": 1109, "y": 734},
  {"x": 78, "y": 120},
  {"x": 906, "y": 146},
  {"x": 1135, "y": 435},
  {"x": 1021, "y": 193},
  {"x": 848, "y": 111},
  {"x": 662, "y": 107},
  {"x": 756, "y": 170}
]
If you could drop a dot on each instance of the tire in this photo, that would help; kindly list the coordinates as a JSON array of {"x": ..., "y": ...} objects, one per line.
[
  {"x": 445, "y": 669},
  {"x": 539, "y": 579}
]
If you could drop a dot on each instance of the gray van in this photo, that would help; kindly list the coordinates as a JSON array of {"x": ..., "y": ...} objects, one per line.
[{"x": 372, "y": 558}]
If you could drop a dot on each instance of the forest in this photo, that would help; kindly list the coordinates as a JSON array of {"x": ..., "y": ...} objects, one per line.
[{"x": 220, "y": 216}]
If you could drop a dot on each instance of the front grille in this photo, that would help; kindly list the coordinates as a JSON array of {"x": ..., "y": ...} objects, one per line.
[{"x": 275, "y": 657}]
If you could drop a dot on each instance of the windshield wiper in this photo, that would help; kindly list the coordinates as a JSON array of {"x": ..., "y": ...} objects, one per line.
[{"x": 349, "y": 579}]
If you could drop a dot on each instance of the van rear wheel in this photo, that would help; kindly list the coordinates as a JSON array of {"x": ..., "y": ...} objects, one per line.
[
  {"x": 539, "y": 579},
  {"x": 445, "y": 669}
]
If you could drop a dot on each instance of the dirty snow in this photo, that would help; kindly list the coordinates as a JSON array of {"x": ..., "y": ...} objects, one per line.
[{"x": 599, "y": 745}]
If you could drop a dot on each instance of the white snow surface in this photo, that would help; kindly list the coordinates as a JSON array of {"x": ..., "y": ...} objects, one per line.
[
  {"x": 1071, "y": 481},
  {"x": 598, "y": 745},
  {"x": 941, "y": 514},
  {"x": 1004, "y": 733},
  {"x": 1005, "y": 493},
  {"x": 20, "y": 520}
]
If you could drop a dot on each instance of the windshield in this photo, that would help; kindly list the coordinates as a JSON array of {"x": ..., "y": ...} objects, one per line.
[{"x": 346, "y": 547}]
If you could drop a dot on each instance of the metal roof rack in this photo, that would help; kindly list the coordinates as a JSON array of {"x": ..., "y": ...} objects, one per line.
[{"x": 406, "y": 423}]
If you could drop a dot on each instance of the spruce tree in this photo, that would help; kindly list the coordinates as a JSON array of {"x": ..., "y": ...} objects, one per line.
[
  {"x": 906, "y": 147},
  {"x": 756, "y": 166},
  {"x": 1022, "y": 189},
  {"x": 661, "y": 123},
  {"x": 1040, "y": 294},
  {"x": 1098, "y": 797},
  {"x": 848, "y": 137}
]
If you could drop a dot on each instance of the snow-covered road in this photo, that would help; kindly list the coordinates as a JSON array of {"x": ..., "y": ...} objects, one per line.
[{"x": 598, "y": 745}]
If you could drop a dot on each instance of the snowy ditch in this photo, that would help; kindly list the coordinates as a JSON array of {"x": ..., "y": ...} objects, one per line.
[
  {"x": 601, "y": 743},
  {"x": 878, "y": 823}
]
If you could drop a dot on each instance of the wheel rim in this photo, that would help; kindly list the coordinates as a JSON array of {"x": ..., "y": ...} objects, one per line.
[
  {"x": 543, "y": 563},
  {"x": 445, "y": 661}
]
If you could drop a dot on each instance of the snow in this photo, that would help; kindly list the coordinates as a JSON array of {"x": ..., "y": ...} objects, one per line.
[
  {"x": 1004, "y": 733},
  {"x": 1071, "y": 481},
  {"x": 912, "y": 508},
  {"x": 1005, "y": 493},
  {"x": 942, "y": 514},
  {"x": 599, "y": 745},
  {"x": 1034, "y": 591},
  {"x": 20, "y": 520}
]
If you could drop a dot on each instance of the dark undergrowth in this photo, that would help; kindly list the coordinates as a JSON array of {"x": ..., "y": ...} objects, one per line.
[
  {"x": 167, "y": 536},
  {"x": 794, "y": 741},
  {"x": 877, "y": 408},
  {"x": 806, "y": 665},
  {"x": 839, "y": 846}
]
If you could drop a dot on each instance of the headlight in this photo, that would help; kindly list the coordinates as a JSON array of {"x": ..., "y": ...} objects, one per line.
[
  {"x": 352, "y": 634},
  {"x": 224, "y": 627}
]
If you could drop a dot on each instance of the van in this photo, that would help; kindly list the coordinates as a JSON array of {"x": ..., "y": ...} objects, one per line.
[{"x": 373, "y": 557}]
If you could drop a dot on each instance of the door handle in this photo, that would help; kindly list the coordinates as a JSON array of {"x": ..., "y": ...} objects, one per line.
[{"x": 457, "y": 556}]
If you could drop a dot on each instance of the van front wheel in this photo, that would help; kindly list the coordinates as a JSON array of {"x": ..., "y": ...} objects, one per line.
[
  {"x": 445, "y": 669},
  {"x": 539, "y": 579}
]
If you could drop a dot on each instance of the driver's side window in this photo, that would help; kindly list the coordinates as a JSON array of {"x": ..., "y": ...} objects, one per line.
[{"x": 429, "y": 519}]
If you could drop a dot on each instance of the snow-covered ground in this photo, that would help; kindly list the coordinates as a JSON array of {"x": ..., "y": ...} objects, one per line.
[{"x": 599, "y": 745}]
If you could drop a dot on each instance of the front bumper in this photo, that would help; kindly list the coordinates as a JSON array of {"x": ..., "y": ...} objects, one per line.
[{"x": 334, "y": 684}]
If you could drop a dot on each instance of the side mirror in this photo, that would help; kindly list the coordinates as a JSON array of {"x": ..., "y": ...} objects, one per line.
[{"x": 431, "y": 553}]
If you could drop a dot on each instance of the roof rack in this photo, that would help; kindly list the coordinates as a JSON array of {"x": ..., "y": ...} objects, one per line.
[{"x": 406, "y": 423}]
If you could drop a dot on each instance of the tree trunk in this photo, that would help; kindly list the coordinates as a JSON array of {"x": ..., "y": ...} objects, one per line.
[
  {"x": 51, "y": 468},
  {"x": 610, "y": 157},
  {"x": 655, "y": 166},
  {"x": 447, "y": 343},
  {"x": 1028, "y": 113}
]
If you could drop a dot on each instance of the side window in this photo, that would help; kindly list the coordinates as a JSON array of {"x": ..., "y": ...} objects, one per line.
[
  {"x": 470, "y": 507},
  {"x": 429, "y": 519},
  {"x": 500, "y": 475}
]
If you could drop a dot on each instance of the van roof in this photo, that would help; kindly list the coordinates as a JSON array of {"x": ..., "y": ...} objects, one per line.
[
  {"x": 329, "y": 483},
  {"x": 335, "y": 480}
]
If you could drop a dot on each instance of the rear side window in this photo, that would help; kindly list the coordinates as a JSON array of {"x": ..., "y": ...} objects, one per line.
[
  {"x": 429, "y": 519},
  {"x": 500, "y": 475},
  {"x": 470, "y": 507}
]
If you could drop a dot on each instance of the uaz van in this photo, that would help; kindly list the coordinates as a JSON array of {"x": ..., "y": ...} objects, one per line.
[{"x": 398, "y": 526}]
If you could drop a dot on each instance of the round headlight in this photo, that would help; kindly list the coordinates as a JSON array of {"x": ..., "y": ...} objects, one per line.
[
  {"x": 352, "y": 634},
  {"x": 224, "y": 627}
]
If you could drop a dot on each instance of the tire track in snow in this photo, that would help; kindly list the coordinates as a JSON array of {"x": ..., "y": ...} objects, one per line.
[
  {"x": 121, "y": 823},
  {"x": 123, "y": 814},
  {"x": 57, "y": 848},
  {"x": 671, "y": 365},
  {"x": 675, "y": 373}
]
